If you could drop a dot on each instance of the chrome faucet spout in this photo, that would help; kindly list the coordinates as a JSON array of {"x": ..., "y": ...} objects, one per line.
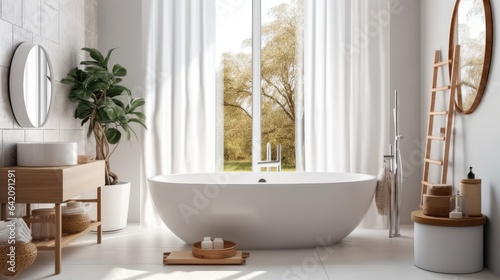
[{"x": 269, "y": 163}]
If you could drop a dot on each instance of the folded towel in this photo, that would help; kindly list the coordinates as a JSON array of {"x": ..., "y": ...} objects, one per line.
[
  {"x": 22, "y": 232},
  {"x": 4, "y": 235},
  {"x": 383, "y": 191},
  {"x": 24, "y": 226}
]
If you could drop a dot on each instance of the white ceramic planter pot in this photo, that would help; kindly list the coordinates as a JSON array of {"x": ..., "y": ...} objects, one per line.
[{"x": 114, "y": 209}]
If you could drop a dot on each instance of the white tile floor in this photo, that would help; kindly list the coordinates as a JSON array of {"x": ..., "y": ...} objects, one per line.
[{"x": 136, "y": 253}]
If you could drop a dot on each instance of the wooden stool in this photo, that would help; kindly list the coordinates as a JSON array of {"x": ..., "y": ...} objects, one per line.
[{"x": 448, "y": 245}]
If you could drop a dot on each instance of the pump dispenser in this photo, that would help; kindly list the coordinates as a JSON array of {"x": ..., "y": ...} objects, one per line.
[{"x": 471, "y": 175}]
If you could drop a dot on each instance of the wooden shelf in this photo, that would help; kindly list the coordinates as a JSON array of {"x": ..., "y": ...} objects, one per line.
[{"x": 49, "y": 245}]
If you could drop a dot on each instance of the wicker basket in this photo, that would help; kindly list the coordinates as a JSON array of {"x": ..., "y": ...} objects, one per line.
[
  {"x": 74, "y": 223},
  {"x": 25, "y": 255}
]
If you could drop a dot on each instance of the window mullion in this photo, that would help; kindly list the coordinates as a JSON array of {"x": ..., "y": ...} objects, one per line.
[{"x": 256, "y": 84}]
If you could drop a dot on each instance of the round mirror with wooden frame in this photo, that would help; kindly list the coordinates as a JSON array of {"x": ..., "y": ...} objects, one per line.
[{"x": 471, "y": 28}]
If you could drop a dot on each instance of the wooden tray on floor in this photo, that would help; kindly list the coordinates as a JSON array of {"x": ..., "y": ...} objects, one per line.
[{"x": 186, "y": 257}]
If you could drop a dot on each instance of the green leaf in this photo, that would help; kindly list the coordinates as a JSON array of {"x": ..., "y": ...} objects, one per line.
[
  {"x": 68, "y": 81},
  {"x": 113, "y": 135},
  {"x": 81, "y": 75},
  {"x": 103, "y": 75},
  {"x": 84, "y": 121},
  {"x": 70, "y": 77},
  {"x": 83, "y": 110},
  {"x": 136, "y": 103},
  {"x": 110, "y": 113},
  {"x": 125, "y": 127},
  {"x": 119, "y": 103},
  {"x": 129, "y": 92},
  {"x": 94, "y": 69},
  {"x": 139, "y": 121},
  {"x": 96, "y": 55},
  {"x": 89, "y": 80},
  {"x": 91, "y": 63},
  {"x": 116, "y": 90},
  {"x": 102, "y": 116},
  {"x": 113, "y": 111},
  {"x": 140, "y": 115},
  {"x": 78, "y": 94},
  {"x": 108, "y": 56},
  {"x": 119, "y": 111},
  {"x": 119, "y": 71}
]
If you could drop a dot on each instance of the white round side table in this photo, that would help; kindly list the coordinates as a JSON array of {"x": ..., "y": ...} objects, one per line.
[{"x": 448, "y": 245}]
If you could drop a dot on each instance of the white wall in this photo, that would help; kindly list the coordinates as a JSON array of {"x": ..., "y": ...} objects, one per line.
[
  {"x": 120, "y": 26},
  {"x": 476, "y": 136},
  {"x": 405, "y": 77}
]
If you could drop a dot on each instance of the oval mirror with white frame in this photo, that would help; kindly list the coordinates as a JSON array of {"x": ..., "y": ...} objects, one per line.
[
  {"x": 471, "y": 28},
  {"x": 31, "y": 87}
]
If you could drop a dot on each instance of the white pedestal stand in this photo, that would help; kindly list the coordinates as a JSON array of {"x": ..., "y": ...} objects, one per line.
[{"x": 448, "y": 245}]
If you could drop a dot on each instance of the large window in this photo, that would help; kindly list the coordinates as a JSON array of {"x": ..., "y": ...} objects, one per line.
[{"x": 258, "y": 39}]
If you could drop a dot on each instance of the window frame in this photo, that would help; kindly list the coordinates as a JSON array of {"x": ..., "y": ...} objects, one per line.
[{"x": 256, "y": 85}]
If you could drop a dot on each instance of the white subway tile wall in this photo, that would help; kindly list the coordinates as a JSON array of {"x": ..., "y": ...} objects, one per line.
[{"x": 62, "y": 27}]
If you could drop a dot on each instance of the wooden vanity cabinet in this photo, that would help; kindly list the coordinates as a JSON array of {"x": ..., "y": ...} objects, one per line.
[{"x": 54, "y": 185}]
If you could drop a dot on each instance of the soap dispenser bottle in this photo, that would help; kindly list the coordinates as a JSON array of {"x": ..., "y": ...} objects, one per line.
[{"x": 471, "y": 190}]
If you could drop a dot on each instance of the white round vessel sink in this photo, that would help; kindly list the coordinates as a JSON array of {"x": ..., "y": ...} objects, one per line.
[{"x": 47, "y": 153}]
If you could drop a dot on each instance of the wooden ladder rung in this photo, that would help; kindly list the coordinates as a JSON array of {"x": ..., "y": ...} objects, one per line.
[
  {"x": 434, "y": 185},
  {"x": 441, "y": 88},
  {"x": 439, "y": 138},
  {"x": 438, "y": 113},
  {"x": 439, "y": 185},
  {"x": 445, "y": 62},
  {"x": 427, "y": 184},
  {"x": 437, "y": 162}
]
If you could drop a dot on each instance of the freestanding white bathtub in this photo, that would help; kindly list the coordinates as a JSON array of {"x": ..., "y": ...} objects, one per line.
[{"x": 263, "y": 210}]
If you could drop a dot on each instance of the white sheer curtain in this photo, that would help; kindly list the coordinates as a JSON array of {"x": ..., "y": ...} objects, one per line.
[
  {"x": 346, "y": 85},
  {"x": 179, "y": 66}
]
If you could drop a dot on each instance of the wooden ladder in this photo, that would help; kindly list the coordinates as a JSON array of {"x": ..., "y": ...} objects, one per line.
[{"x": 446, "y": 131}]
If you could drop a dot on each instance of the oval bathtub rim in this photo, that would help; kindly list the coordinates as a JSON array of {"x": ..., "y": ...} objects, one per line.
[{"x": 361, "y": 177}]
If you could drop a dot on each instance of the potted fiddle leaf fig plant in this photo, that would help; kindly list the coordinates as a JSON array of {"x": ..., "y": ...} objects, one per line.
[{"x": 109, "y": 109}]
